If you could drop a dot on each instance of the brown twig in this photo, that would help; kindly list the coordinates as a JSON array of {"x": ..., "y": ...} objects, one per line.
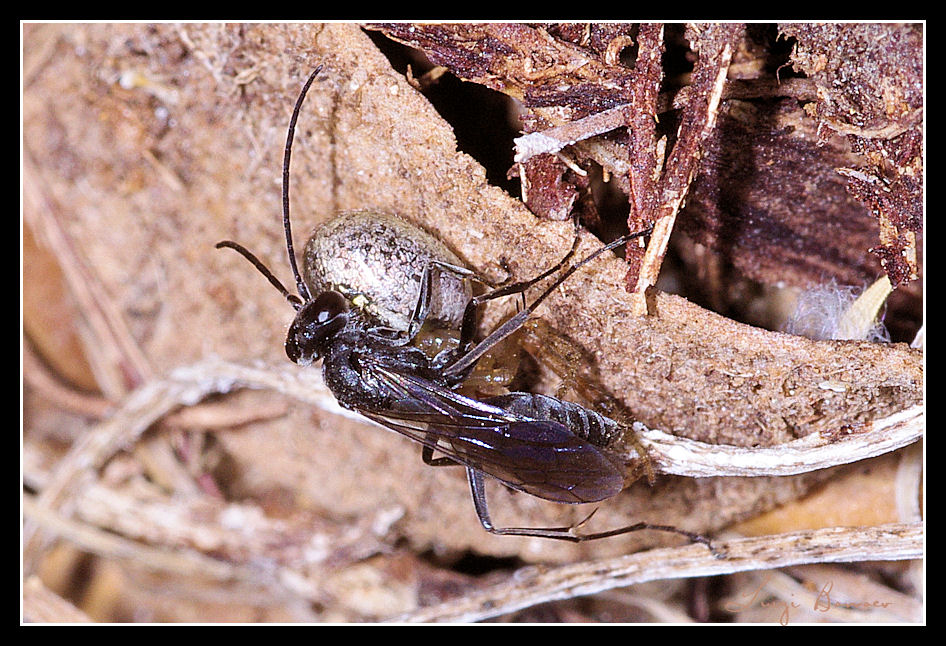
[
  {"x": 641, "y": 119},
  {"x": 697, "y": 122}
]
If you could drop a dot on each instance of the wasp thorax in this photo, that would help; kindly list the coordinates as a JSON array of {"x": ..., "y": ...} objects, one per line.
[{"x": 377, "y": 261}]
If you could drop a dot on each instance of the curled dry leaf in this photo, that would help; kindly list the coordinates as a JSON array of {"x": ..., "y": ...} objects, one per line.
[{"x": 140, "y": 180}]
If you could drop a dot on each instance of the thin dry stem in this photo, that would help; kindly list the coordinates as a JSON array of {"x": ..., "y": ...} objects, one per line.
[
  {"x": 118, "y": 360},
  {"x": 39, "y": 377},
  {"x": 271, "y": 559},
  {"x": 683, "y": 457},
  {"x": 554, "y": 139},
  {"x": 110, "y": 545},
  {"x": 530, "y": 586},
  {"x": 42, "y": 605}
]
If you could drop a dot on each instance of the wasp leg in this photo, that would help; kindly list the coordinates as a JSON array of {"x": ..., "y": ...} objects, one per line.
[
  {"x": 515, "y": 322},
  {"x": 478, "y": 489},
  {"x": 424, "y": 301},
  {"x": 508, "y": 289},
  {"x": 422, "y": 307},
  {"x": 427, "y": 454}
]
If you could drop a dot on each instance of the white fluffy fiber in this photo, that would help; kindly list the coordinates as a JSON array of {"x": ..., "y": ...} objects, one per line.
[{"x": 833, "y": 311}]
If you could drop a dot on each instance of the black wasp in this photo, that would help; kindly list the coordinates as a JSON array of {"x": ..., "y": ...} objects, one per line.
[{"x": 542, "y": 445}]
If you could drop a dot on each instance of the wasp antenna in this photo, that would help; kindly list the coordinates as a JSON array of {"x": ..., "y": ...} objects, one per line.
[
  {"x": 300, "y": 284},
  {"x": 263, "y": 269}
]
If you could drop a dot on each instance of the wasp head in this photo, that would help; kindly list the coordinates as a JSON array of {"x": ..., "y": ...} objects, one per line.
[{"x": 316, "y": 322}]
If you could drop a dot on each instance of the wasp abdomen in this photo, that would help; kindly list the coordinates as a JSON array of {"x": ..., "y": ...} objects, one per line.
[{"x": 587, "y": 424}]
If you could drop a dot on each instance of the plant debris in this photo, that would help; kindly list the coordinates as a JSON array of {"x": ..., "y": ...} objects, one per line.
[
  {"x": 144, "y": 145},
  {"x": 869, "y": 79},
  {"x": 772, "y": 178}
]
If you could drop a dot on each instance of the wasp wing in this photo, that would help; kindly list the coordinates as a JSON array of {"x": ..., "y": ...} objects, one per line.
[{"x": 539, "y": 456}]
